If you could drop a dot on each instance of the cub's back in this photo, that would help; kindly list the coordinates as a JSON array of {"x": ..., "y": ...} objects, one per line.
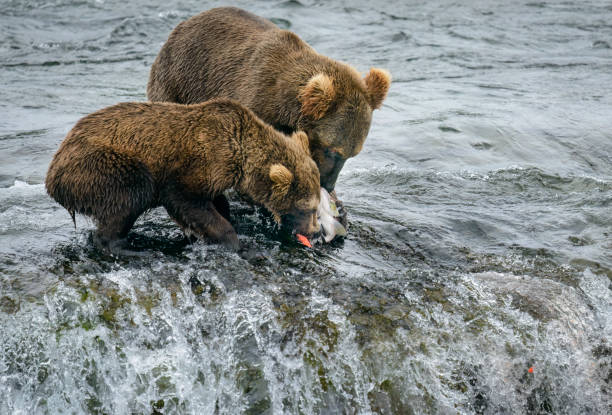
[
  {"x": 135, "y": 126},
  {"x": 156, "y": 134}
]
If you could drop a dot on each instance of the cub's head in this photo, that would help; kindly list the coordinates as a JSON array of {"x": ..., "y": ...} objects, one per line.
[
  {"x": 336, "y": 111},
  {"x": 295, "y": 188}
]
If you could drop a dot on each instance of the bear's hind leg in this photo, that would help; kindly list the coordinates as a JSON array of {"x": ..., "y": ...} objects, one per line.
[
  {"x": 202, "y": 219},
  {"x": 116, "y": 189}
]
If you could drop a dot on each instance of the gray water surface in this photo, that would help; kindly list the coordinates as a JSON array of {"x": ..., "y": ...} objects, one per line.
[{"x": 480, "y": 241}]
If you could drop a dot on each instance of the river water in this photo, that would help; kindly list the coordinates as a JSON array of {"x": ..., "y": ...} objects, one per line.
[{"x": 480, "y": 241}]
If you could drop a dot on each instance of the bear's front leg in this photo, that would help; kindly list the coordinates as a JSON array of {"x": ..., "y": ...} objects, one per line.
[
  {"x": 201, "y": 218},
  {"x": 111, "y": 235},
  {"x": 222, "y": 205}
]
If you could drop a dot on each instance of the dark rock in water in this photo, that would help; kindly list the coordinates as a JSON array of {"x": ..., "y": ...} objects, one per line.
[
  {"x": 601, "y": 44},
  {"x": 482, "y": 146},
  {"x": 447, "y": 129},
  {"x": 8, "y": 305},
  {"x": 399, "y": 37}
]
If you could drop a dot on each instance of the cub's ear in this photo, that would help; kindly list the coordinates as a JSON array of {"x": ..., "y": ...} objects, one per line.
[
  {"x": 317, "y": 95},
  {"x": 281, "y": 179},
  {"x": 377, "y": 83},
  {"x": 302, "y": 139}
]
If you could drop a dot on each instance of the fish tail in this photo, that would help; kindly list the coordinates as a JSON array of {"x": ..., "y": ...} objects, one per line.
[{"x": 339, "y": 229}]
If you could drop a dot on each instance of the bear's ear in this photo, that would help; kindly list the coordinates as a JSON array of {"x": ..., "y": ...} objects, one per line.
[
  {"x": 281, "y": 178},
  {"x": 302, "y": 139},
  {"x": 377, "y": 83},
  {"x": 317, "y": 95}
]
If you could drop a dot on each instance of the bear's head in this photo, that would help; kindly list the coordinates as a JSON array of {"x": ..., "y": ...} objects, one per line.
[
  {"x": 295, "y": 187},
  {"x": 336, "y": 112}
]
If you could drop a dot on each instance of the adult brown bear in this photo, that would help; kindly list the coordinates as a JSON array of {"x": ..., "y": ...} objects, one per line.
[
  {"x": 122, "y": 160},
  {"x": 229, "y": 52}
]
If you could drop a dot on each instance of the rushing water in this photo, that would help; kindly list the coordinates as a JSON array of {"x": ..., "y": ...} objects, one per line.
[{"x": 480, "y": 241}]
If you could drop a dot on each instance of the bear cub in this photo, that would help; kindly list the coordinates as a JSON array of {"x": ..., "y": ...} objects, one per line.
[{"x": 118, "y": 162}]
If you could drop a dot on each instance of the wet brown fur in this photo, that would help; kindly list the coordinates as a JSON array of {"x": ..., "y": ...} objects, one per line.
[
  {"x": 228, "y": 52},
  {"x": 122, "y": 160}
]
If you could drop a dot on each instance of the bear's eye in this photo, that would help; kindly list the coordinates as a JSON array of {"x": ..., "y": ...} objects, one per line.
[{"x": 333, "y": 153}]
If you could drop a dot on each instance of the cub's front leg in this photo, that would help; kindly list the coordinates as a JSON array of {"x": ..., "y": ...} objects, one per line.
[{"x": 201, "y": 219}]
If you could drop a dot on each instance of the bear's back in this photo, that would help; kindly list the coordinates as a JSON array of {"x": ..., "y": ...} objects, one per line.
[{"x": 206, "y": 55}]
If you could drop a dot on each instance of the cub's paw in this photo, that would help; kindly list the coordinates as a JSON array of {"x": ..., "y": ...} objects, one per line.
[{"x": 117, "y": 247}]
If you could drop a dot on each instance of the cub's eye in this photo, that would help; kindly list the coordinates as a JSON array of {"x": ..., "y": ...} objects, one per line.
[{"x": 307, "y": 212}]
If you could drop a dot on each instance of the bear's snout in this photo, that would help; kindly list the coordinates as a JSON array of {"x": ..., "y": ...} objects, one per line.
[
  {"x": 330, "y": 163},
  {"x": 305, "y": 224}
]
